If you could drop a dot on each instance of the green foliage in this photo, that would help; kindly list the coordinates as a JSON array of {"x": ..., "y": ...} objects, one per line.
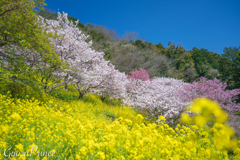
[
  {"x": 47, "y": 14},
  {"x": 65, "y": 95},
  {"x": 159, "y": 47},
  {"x": 93, "y": 98},
  {"x": 204, "y": 61},
  {"x": 237, "y": 113},
  {"x": 149, "y": 45},
  {"x": 106, "y": 45},
  {"x": 20, "y": 26},
  {"x": 231, "y": 53},
  {"x": 80, "y": 25},
  {"x": 139, "y": 44},
  {"x": 111, "y": 102},
  {"x": 17, "y": 90},
  {"x": 108, "y": 55},
  {"x": 95, "y": 36}
]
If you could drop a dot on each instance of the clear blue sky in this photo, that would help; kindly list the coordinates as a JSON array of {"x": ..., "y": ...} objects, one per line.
[{"x": 209, "y": 24}]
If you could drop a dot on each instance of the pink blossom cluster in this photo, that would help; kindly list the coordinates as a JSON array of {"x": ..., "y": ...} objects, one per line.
[
  {"x": 142, "y": 74},
  {"x": 214, "y": 90}
]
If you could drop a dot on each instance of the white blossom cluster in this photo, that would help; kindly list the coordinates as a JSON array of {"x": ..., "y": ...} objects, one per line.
[{"x": 158, "y": 97}]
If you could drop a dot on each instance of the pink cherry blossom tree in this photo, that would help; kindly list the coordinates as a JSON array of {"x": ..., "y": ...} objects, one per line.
[
  {"x": 141, "y": 74},
  {"x": 214, "y": 90}
]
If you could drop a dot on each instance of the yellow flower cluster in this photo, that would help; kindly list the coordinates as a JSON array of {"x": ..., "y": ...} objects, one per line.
[
  {"x": 205, "y": 111},
  {"x": 73, "y": 130}
]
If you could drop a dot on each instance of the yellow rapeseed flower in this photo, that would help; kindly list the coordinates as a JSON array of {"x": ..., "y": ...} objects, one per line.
[
  {"x": 16, "y": 117},
  {"x": 4, "y": 129},
  {"x": 161, "y": 119},
  {"x": 19, "y": 147},
  {"x": 185, "y": 118},
  {"x": 84, "y": 150},
  {"x": 199, "y": 120},
  {"x": 101, "y": 155}
]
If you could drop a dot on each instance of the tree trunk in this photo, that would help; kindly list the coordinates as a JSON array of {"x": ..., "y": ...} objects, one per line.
[
  {"x": 103, "y": 98},
  {"x": 65, "y": 81},
  {"x": 81, "y": 94}
]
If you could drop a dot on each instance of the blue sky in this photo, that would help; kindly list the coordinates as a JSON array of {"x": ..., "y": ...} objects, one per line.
[{"x": 209, "y": 24}]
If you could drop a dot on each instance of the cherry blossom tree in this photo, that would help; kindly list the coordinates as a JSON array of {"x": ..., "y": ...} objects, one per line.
[
  {"x": 91, "y": 76},
  {"x": 114, "y": 86},
  {"x": 141, "y": 74},
  {"x": 214, "y": 90},
  {"x": 157, "y": 97},
  {"x": 89, "y": 71},
  {"x": 71, "y": 47}
]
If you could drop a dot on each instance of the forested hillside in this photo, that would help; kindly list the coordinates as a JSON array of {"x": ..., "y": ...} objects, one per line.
[{"x": 128, "y": 53}]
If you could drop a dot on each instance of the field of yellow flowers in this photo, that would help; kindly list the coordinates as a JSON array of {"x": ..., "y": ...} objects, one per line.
[{"x": 31, "y": 129}]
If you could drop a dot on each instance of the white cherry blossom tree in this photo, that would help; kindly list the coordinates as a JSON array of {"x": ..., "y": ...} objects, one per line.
[{"x": 157, "y": 97}]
